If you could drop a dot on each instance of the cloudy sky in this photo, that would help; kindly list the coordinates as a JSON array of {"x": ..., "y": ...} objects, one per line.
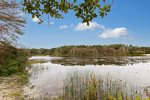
[{"x": 127, "y": 23}]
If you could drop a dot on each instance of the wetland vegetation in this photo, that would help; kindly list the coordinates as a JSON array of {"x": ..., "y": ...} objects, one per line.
[
  {"x": 53, "y": 80},
  {"x": 75, "y": 72},
  {"x": 95, "y": 51}
]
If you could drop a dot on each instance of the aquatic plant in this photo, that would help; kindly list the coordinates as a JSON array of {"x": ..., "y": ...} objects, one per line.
[{"x": 91, "y": 87}]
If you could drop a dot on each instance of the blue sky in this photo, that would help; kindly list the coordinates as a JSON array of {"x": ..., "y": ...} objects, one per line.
[{"x": 127, "y": 23}]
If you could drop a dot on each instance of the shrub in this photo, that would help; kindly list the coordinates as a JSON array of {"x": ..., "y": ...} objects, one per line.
[{"x": 12, "y": 60}]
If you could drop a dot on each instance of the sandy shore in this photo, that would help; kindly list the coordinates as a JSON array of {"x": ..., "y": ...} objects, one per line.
[{"x": 10, "y": 89}]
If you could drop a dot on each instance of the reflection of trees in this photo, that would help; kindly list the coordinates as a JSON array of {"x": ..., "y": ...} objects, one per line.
[
  {"x": 99, "y": 61},
  {"x": 89, "y": 61},
  {"x": 36, "y": 70}
]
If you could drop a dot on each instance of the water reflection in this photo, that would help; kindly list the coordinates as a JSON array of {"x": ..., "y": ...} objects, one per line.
[
  {"x": 48, "y": 79},
  {"x": 121, "y": 61}
]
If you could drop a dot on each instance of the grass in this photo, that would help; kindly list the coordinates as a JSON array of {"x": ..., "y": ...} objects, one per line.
[
  {"x": 89, "y": 87},
  {"x": 11, "y": 88},
  {"x": 17, "y": 95}
]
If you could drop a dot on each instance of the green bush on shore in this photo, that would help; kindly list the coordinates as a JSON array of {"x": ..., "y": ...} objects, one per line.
[{"x": 12, "y": 60}]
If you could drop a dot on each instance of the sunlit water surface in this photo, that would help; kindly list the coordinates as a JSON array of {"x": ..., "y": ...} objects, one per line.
[{"x": 46, "y": 79}]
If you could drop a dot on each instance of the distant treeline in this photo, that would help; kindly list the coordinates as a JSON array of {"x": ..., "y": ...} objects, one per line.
[{"x": 92, "y": 51}]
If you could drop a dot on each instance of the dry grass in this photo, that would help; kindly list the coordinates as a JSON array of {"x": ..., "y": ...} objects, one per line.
[{"x": 89, "y": 87}]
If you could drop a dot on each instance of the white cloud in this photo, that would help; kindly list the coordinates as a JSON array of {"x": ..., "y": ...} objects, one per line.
[
  {"x": 63, "y": 27},
  {"x": 92, "y": 26},
  {"x": 35, "y": 19},
  {"x": 114, "y": 33}
]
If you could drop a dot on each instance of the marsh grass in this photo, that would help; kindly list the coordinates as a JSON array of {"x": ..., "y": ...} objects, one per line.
[{"x": 91, "y": 87}]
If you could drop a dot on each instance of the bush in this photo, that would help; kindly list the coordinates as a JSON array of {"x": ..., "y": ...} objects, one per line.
[{"x": 12, "y": 60}]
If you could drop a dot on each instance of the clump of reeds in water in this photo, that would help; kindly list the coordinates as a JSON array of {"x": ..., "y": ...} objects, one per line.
[{"x": 89, "y": 87}]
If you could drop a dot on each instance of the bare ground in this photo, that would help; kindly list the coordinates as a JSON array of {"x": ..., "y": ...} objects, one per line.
[{"x": 10, "y": 88}]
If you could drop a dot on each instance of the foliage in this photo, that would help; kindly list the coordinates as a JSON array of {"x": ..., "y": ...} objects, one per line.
[
  {"x": 11, "y": 21},
  {"x": 40, "y": 51},
  {"x": 12, "y": 60},
  {"x": 115, "y": 50},
  {"x": 87, "y": 10}
]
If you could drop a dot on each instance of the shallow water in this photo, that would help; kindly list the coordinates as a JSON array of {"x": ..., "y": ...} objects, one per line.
[{"x": 46, "y": 79}]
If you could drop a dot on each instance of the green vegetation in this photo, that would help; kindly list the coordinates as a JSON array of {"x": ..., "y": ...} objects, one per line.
[
  {"x": 87, "y": 10},
  {"x": 40, "y": 52},
  {"x": 12, "y": 87},
  {"x": 89, "y": 87},
  {"x": 115, "y": 50},
  {"x": 12, "y": 60},
  {"x": 15, "y": 94}
]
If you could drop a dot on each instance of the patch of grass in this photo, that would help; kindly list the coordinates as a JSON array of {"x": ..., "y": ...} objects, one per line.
[
  {"x": 79, "y": 87},
  {"x": 15, "y": 94},
  {"x": 22, "y": 78},
  {"x": 12, "y": 87}
]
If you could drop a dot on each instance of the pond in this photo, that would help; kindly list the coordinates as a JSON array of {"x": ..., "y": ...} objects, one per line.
[{"x": 49, "y": 74}]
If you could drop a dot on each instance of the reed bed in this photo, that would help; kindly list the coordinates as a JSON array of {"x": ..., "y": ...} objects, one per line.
[{"x": 90, "y": 87}]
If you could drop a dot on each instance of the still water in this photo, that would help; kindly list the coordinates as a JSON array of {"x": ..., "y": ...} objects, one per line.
[{"x": 47, "y": 77}]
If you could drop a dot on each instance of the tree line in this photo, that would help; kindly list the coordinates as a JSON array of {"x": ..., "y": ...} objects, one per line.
[
  {"x": 114, "y": 50},
  {"x": 12, "y": 23}
]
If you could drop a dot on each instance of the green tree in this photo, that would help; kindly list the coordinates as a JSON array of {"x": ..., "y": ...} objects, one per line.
[{"x": 87, "y": 10}]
